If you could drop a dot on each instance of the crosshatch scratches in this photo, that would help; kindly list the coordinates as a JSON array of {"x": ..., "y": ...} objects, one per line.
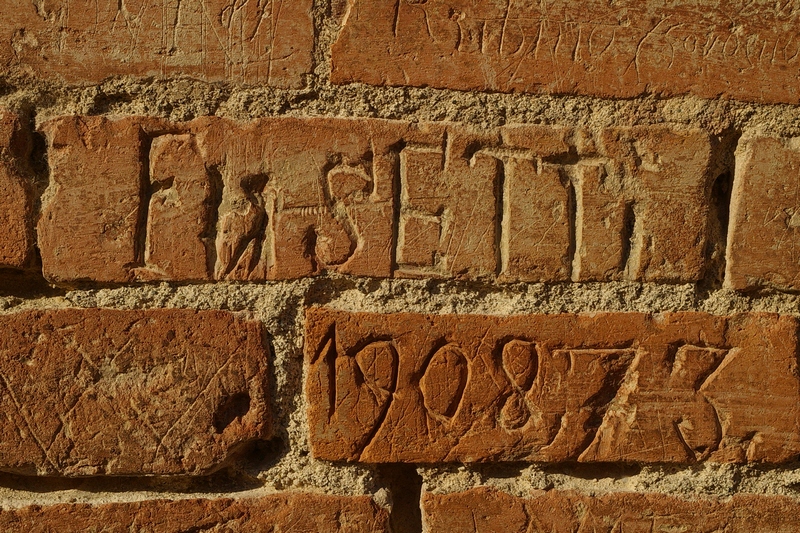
[
  {"x": 164, "y": 392},
  {"x": 589, "y": 388}
]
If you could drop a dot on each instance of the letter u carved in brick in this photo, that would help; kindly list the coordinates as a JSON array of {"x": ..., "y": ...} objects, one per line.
[{"x": 601, "y": 387}]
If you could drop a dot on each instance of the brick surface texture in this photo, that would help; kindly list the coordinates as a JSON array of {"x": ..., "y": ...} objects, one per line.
[
  {"x": 83, "y": 42},
  {"x": 16, "y": 239},
  {"x": 290, "y": 513},
  {"x": 732, "y": 48},
  {"x": 408, "y": 266},
  {"x": 92, "y": 392},
  {"x": 486, "y": 510},
  {"x": 285, "y": 198},
  {"x": 672, "y": 388}
]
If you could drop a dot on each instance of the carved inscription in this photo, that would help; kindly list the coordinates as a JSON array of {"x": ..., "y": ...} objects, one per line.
[
  {"x": 82, "y": 41},
  {"x": 273, "y": 199},
  {"x": 282, "y": 198},
  {"x": 594, "y": 388},
  {"x": 448, "y": 213},
  {"x": 178, "y": 210},
  {"x": 735, "y": 48},
  {"x": 88, "y": 392}
]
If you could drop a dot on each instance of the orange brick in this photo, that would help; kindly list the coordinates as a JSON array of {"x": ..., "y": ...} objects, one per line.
[
  {"x": 485, "y": 510},
  {"x": 283, "y": 198},
  {"x": 16, "y": 238},
  {"x": 292, "y": 512},
  {"x": 87, "y": 230},
  {"x": 84, "y": 42},
  {"x": 667, "y": 176},
  {"x": 765, "y": 218},
  {"x": 731, "y": 49},
  {"x": 180, "y": 211},
  {"x": 103, "y": 392},
  {"x": 454, "y": 186},
  {"x": 670, "y": 388}
]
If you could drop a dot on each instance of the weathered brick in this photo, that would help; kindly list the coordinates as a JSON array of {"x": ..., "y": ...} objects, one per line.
[
  {"x": 84, "y": 42},
  {"x": 105, "y": 392},
  {"x": 485, "y": 510},
  {"x": 282, "y": 198},
  {"x": 765, "y": 220},
  {"x": 301, "y": 196},
  {"x": 667, "y": 177},
  {"x": 455, "y": 191},
  {"x": 16, "y": 238},
  {"x": 673, "y": 387},
  {"x": 87, "y": 231},
  {"x": 293, "y": 512},
  {"x": 734, "y": 49},
  {"x": 180, "y": 210}
]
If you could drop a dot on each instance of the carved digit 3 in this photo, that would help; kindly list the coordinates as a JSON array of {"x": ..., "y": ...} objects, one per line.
[{"x": 698, "y": 426}]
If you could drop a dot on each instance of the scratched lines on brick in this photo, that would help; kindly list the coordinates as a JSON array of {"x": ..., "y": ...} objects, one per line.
[
  {"x": 632, "y": 49},
  {"x": 607, "y": 387},
  {"x": 284, "y": 198},
  {"x": 488, "y": 509},
  {"x": 247, "y": 41}
]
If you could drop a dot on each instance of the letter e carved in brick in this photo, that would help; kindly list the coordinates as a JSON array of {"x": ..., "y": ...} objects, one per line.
[
  {"x": 448, "y": 207},
  {"x": 87, "y": 392}
]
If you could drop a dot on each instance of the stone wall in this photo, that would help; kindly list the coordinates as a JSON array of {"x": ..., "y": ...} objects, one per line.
[{"x": 399, "y": 265}]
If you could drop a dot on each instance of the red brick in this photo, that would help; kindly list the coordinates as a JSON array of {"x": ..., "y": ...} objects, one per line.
[
  {"x": 631, "y": 387},
  {"x": 284, "y": 198},
  {"x": 84, "y": 42},
  {"x": 485, "y": 510},
  {"x": 733, "y": 49},
  {"x": 285, "y": 512},
  {"x": 180, "y": 211},
  {"x": 667, "y": 176},
  {"x": 16, "y": 238},
  {"x": 765, "y": 220},
  {"x": 87, "y": 230},
  {"x": 103, "y": 392},
  {"x": 455, "y": 192},
  {"x": 302, "y": 196}
]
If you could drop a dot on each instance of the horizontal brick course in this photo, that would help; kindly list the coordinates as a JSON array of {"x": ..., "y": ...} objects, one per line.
[
  {"x": 84, "y": 42},
  {"x": 88, "y": 392},
  {"x": 630, "y": 387},
  {"x": 485, "y": 510},
  {"x": 282, "y": 198},
  {"x": 733, "y": 49},
  {"x": 285, "y": 512}
]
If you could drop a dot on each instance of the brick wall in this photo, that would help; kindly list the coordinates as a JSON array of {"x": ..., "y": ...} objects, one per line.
[{"x": 399, "y": 265}]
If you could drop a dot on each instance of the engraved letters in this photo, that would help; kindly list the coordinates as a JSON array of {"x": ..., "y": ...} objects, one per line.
[
  {"x": 285, "y": 198},
  {"x": 625, "y": 49}
]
